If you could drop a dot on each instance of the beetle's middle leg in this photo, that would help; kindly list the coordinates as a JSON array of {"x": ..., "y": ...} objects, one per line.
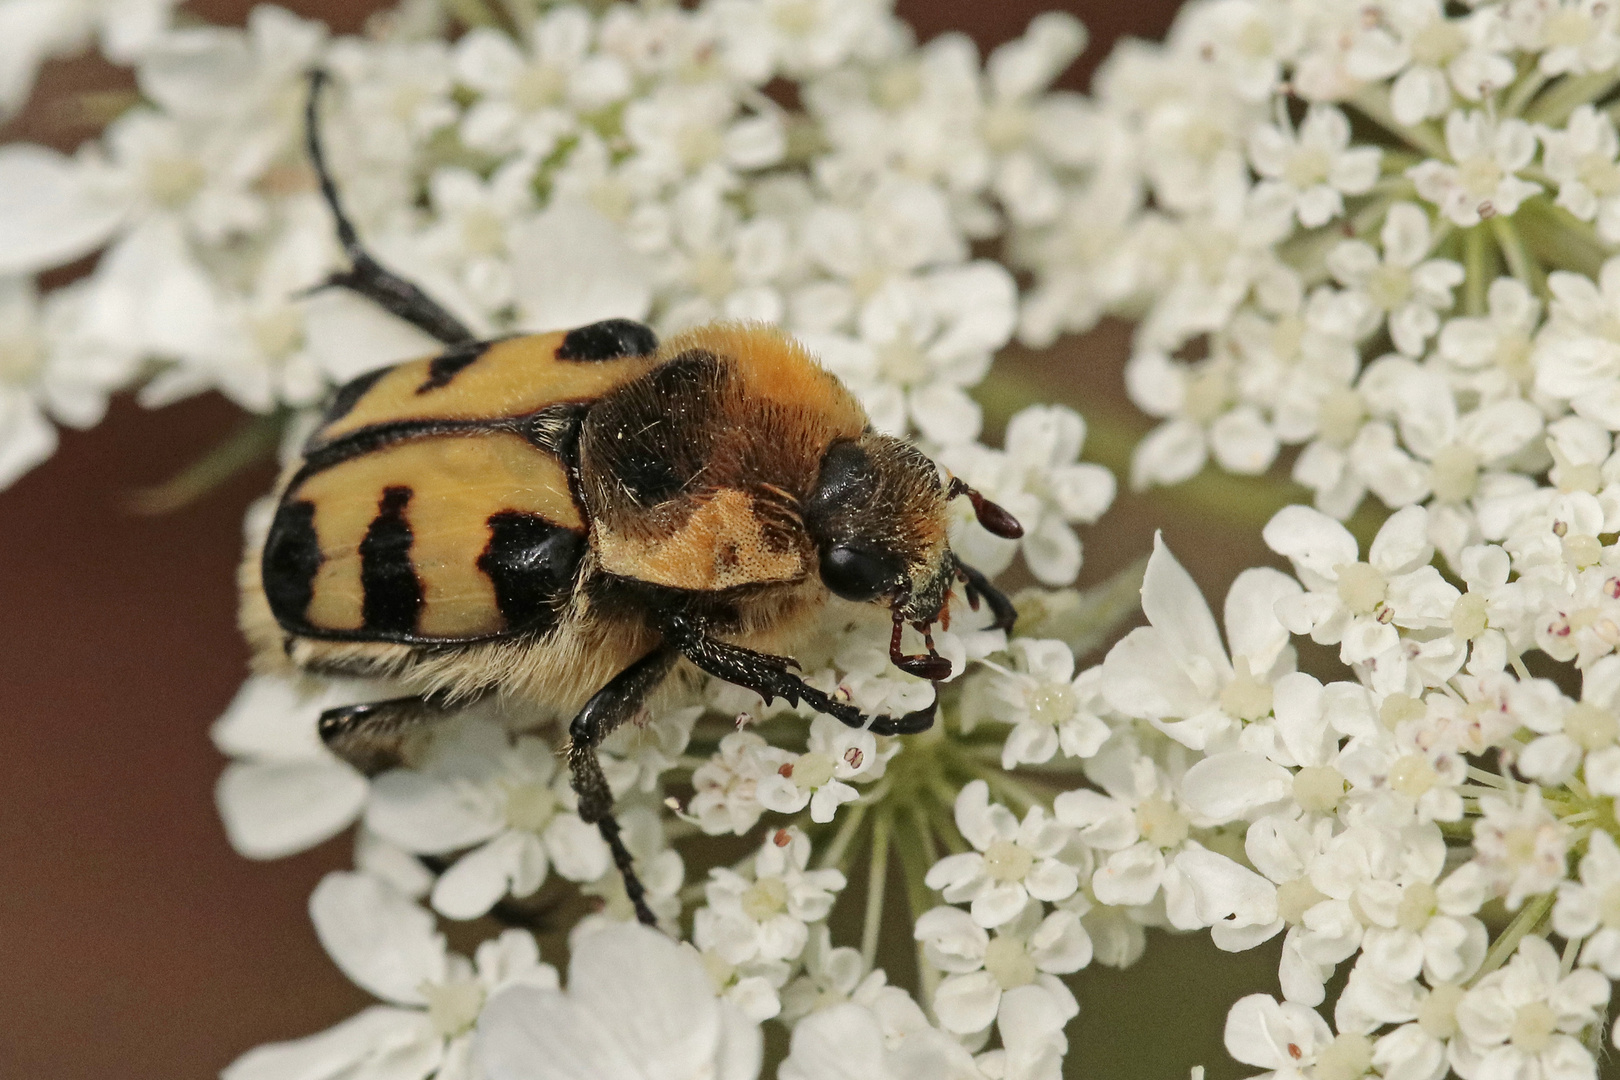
[
  {"x": 366, "y": 275},
  {"x": 608, "y": 708},
  {"x": 371, "y": 736}
]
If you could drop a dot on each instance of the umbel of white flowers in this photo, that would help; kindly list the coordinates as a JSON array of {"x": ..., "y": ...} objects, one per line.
[{"x": 1377, "y": 234}]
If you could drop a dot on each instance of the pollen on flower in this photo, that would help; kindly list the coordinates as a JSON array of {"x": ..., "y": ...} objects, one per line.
[
  {"x": 1533, "y": 1026},
  {"x": 530, "y": 807},
  {"x": 1160, "y": 821},
  {"x": 1004, "y": 860},
  {"x": 1437, "y": 1015},
  {"x": 1245, "y": 696},
  {"x": 1591, "y": 726},
  {"x": 1008, "y": 961},
  {"x": 1361, "y": 587}
]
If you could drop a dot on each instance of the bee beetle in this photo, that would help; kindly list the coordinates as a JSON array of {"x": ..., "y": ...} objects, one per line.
[{"x": 563, "y": 517}]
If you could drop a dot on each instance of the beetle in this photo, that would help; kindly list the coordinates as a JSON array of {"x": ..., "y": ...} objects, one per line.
[{"x": 564, "y": 517}]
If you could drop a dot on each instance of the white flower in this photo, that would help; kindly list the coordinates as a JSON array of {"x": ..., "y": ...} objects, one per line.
[
  {"x": 1429, "y": 54},
  {"x": 1520, "y": 845},
  {"x": 390, "y": 947},
  {"x": 1317, "y": 167},
  {"x": 1175, "y": 672},
  {"x": 1482, "y": 179},
  {"x": 524, "y": 98},
  {"x": 476, "y": 789},
  {"x": 848, "y": 1040},
  {"x": 762, "y": 918},
  {"x": 984, "y": 973},
  {"x": 1581, "y": 159},
  {"x": 1281, "y": 1036},
  {"x": 36, "y": 30},
  {"x": 1039, "y": 479},
  {"x": 1590, "y": 908},
  {"x": 727, "y": 785},
  {"x": 284, "y": 791},
  {"x": 1526, "y": 1019},
  {"x": 1047, "y": 704},
  {"x": 822, "y": 776},
  {"x": 1576, "y": 37},
  {"x": 1359, "y": 605},
  {"x": 637, "y": 1005},
  {"x": 1012, "y": 862},
  {"x": 1403, "y": 286}
]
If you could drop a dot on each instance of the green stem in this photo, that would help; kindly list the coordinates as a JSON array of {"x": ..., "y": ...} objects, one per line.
[
  {"x": 1525, "y": 88},
  {"x": 833, "y": 855},
  {"x": 1521, "y": 264},
  {"x": 1373, "y": 101},
  {"x": 472, "y": 13},
  {"x": 915, "y": 858},
  {"x": 1560, "y": 239},
  {"x": 877, "y": 880},
  {"x": 254, "y": 440},
  {"x": 1004, "y": 785},
  {"x": 1573, "y": 91},
  {"x": 1523, "y": 923},
  {"x": 1476, "y": 259}
]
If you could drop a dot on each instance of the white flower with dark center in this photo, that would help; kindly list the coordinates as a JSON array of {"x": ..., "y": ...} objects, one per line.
[
  {"x": 1520, "y": 845},
  {"x": 475, "y": 788},
  {"x": 1403, "y": 286},
  {"x": 823, "y": 777},
  {"x": 390, "y": 947},
  {"x": 638, "y": 1006},
  {"x": 1482, "y": 179},
  {"x": 985, "y": 973},
  {"x": 1012, "y": 863},
  {"x": 1316, "y": 166},
  {"x": 1527, "y": 1018}
]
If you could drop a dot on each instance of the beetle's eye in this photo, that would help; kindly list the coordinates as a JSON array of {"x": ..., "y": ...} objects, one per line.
[{"x": 858, "y": 573}]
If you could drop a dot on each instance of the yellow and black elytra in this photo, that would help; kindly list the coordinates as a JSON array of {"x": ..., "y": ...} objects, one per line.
[{"x": 565, "y": 517}]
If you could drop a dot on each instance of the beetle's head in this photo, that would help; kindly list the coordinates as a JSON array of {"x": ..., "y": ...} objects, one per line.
[{"x": 879, "y": 520}]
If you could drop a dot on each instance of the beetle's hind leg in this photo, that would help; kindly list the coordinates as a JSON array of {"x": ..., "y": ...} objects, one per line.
[
  {"x": 978, "y": 585},
  {"x": 608, "y": 708},
  {"x": 366, "y": 275},
  {"x": 769, "y": 677},
  {"x": 372, "y": 735}
]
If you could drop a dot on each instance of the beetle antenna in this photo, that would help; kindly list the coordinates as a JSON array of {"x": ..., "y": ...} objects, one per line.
[{"x": 992, "y": 516}]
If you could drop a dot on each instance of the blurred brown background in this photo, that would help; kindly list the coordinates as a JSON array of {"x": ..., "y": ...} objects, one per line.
[{"x": 133, "y": 942}]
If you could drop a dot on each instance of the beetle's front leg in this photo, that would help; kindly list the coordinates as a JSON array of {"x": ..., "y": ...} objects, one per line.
[
  {"x": 769, "y": 677},
  {"x": 608, "y": 708},
  {"x": 978, "y": 585}
]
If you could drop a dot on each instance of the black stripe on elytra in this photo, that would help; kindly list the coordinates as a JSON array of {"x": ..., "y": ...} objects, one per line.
[
  {"x": 391, "y": 591},
  {"x": 450, "y": 363},
  {"x": 608, "y": 340},
  {"x": 292, "y": 555},
  {"x": 531, "y": 561},
  {"x": 349, "y": 395},
  {"x": 377, "y": 436}
]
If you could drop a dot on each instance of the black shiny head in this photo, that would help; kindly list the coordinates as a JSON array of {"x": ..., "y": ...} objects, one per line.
[{"x": 877, "y": 516}]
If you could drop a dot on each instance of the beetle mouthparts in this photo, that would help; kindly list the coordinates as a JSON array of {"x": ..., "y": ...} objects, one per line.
[{"x": 930, "y": 666}]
